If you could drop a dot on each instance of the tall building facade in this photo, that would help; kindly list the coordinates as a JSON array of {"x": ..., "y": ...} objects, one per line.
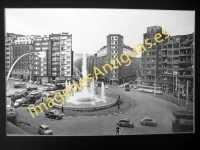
[
  {"x": 114, "y": 49},
  {"x": 170, "y": 60},
  {"x": 40, "y": 65},
  {"x": 178, "y": 60},
  {"x": 21, "y": 46},
  {"x": 9, "y": 38},
  {"x": 151, "y": 59},
  {"x": 58, "y": 63}
]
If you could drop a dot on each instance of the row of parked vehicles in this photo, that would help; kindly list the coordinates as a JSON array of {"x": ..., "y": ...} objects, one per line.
[
  {"x": 21, "y": 84},
  {"x": 11, "y": 114}
]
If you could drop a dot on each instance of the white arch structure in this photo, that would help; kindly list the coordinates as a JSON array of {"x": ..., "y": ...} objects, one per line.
[{"x": 40, "y": 54}]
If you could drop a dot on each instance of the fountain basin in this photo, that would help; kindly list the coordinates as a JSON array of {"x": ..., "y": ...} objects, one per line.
[{"x": 87, "y": 104}]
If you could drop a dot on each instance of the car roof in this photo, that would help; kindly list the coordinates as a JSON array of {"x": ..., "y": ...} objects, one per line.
[
  {"x": 53, "y": 110},
  {"x": 124, "y": 119},
  {"x": 44, "y": 126},
  {"x": 147, "y": 118}
]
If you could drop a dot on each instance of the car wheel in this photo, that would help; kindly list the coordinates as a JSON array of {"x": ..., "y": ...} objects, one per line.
[
  {"x": 57, "y": 118},
  {"x": 50, "y": 134}
]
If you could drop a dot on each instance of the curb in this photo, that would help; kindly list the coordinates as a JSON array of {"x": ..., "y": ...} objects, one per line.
[{"x": 107, "y": 115}]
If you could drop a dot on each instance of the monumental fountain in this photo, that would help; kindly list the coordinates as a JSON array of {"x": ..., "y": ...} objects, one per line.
[{"x": 86, "y": 98}]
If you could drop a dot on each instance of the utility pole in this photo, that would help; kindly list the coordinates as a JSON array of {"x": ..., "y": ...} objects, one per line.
[
  {"x": 187, "y": 96},
  {"x": 173, "y": 83}
]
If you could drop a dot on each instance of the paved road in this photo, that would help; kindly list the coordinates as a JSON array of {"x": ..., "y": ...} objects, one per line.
[{"x": 145, "y": 106}]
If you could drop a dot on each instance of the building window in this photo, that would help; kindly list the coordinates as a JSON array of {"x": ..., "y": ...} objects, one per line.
[
  {"x": 148, "y": 65},
  {"x": 37, "y": 48},
  {"x": 148, "y": 53},
  {"x": 45, "y": 43},
  {"x": 37, "y": 43},
  {"x": 44, "y": 48}
]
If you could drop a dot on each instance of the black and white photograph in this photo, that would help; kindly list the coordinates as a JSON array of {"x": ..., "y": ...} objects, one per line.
[{"x": 99, "y": 72}]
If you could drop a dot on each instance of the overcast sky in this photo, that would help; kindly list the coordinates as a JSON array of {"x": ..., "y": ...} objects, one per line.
[{"x": 90, "y": 27}]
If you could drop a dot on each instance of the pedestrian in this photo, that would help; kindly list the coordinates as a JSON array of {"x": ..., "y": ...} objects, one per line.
[
  {"x": 62, "y": 109},
  {"x": 117, "y": 130},
  {"x": 118, "y": 103}
]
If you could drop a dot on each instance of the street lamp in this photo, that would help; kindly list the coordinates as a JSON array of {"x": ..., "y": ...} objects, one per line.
[{"x": 40, "y": 54}]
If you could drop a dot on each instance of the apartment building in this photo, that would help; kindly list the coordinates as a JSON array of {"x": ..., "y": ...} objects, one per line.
[
  {"x": 114, "y": 48},
  {"x": 9, "y": 38},
  {"x": 168, "y": 60},
  {"x": 40, "y": 65},
  {"x": 178, "y": 60},
  {"x": 151, "y": 59},
  {"x": 20, "y": 46},
  {"x": 61, "y": 55}
]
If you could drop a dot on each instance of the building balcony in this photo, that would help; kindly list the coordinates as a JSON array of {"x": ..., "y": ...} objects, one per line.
[
  {"x": 187, "y": 47},
  {"x": 55, "y": 74},
  {"x": 166, "y": 82},
  {"x": 55, "y": 59},
  {"x": 185, "y": 69},
  {"x": 166, "y": 74},
  {"x": 167, "y": 68},
  {"x": 185, "y": 61},
  {"x": 55, "y": 69},
  {"x": 182, "y": 54},
  {"x": 150, "y": 73},
  {"x": 164, "y": 55}
]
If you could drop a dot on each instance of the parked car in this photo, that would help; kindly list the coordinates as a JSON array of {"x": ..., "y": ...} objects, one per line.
[
  {"x": 44, "y": 83},
  {"x": 31, "y": 88},
  {"x": 106, "y": 87},
  {"x": 15, "y": 97},
  {"x": 10, "y": 109},
  {"x": 148, "y": 121},
  {"x": 131, "y": 82},
  {"x": 125, "y": 123},
  {"x": 50, "y": 88},
  {"x": 127, "y": 87},
  {"x": 18, "y": 103},
  {"x": 48, "y": 84},
  {"x": 45, "y": 130},
  {"x": 12, "y": 117},
  {"x": 20, "y": 85},
  {"x": 30, "y": 81},
  {"x": 38, "y": 82},
  {"x": 54, "y": 114},
  {"x": 31, "y": 107},
  {"x": 35, "y": 82}
]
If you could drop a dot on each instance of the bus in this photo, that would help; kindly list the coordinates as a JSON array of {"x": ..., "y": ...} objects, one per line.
[
  {"x": 150, "y": 89},
  {"x": 183, "y": 121}
]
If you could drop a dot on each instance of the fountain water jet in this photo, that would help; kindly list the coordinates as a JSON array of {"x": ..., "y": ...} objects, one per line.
[{"x": 88, "y": 100}]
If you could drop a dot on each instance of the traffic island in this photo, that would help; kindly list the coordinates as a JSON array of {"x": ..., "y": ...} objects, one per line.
[{"x": 124, "y": 105}]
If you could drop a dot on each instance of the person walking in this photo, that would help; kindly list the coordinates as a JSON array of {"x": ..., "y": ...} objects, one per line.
[
  {"x": 62, "y": 109},
  {"x": 117, "y": 130}
]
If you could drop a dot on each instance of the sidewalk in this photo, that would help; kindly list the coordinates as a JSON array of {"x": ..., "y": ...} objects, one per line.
[
  {"x": 173, "y": 99},
  {"x": 14, "y": 130}
]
